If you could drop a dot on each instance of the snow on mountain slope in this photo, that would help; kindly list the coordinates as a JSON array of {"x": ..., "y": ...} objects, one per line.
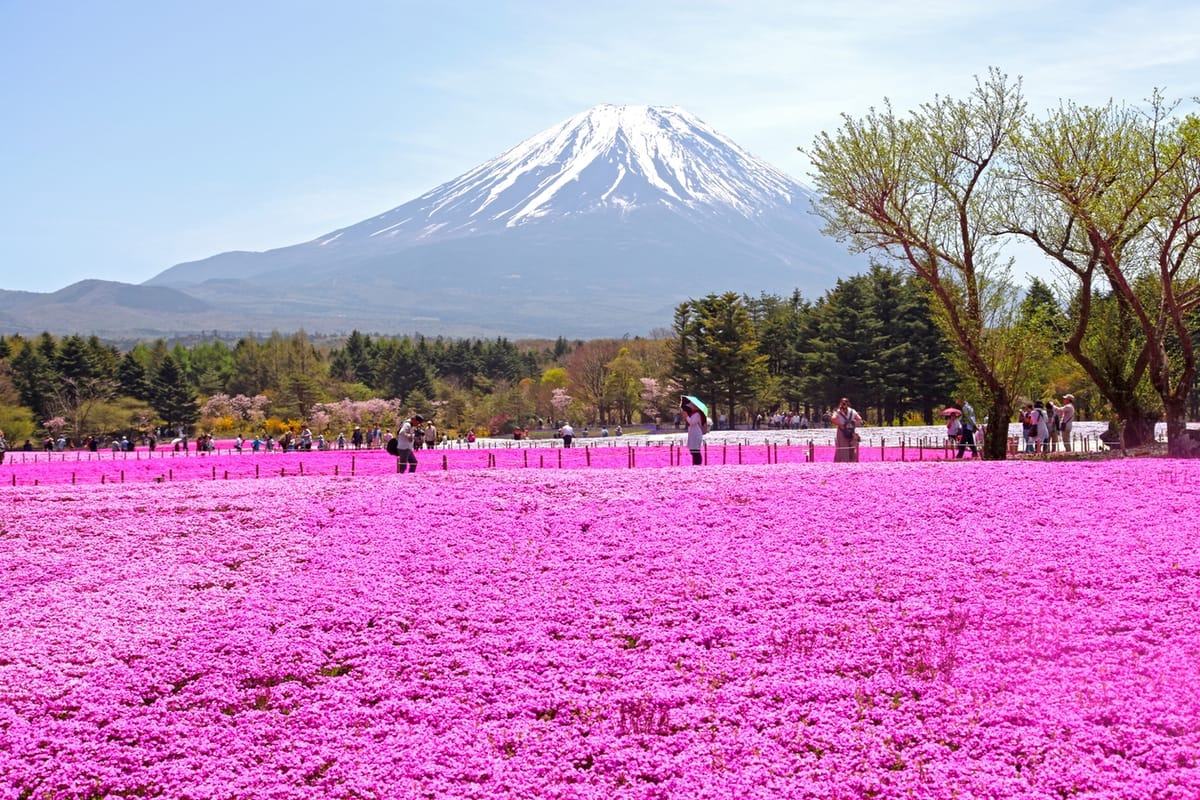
[
  {"x": 622, "y": 210},
  {"x": 607, "y": 159}
]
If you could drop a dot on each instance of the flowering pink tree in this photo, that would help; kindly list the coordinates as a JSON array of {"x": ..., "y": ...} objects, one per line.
[
  {"x": 319, "y": 419},
  {"x": 239, "y": 409},
  {"x": 656, "y": 397},
  {"x": 251, "y": 410},
  {"x": 217, "y": 405},
  {"x": 381, "y": 412},
  {"x": 560, "y": 401}
]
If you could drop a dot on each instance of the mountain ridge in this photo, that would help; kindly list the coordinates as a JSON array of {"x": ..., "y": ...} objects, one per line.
[{"x": 597, "y": 226}]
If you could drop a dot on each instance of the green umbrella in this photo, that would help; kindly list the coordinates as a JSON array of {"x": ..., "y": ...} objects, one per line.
[{"x": 695, "y": 401}]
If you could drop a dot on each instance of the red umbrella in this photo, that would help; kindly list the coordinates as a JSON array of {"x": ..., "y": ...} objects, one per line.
[{"x": 949, "y": 412}]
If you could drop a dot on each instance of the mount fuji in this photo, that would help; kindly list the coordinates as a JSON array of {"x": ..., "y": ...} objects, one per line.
[{"x": 598, "y": 226}]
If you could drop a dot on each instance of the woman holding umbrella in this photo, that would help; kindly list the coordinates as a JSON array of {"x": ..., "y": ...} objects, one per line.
[
  {"x": 695, "y": 413},
  {"x": 959, "y": 432},
  {"x": 954, "y": 428}
]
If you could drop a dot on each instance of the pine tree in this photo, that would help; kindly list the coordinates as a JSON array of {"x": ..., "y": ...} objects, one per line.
[
  {"x": 716, "y": 351},
  {"x": 172, "y": 399},
  {"x": 131, "y": 378}
]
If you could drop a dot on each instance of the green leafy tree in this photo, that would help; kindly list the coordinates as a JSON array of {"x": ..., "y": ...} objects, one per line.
[
  {"x": 1113, "y": 194},
  {"x": 846, "y": 343},
  {"x": 122, "y": 416},
  {"x": 17, "y": 424},
  {"x": 921, "y": 192},
  {"x": 209, "y": 366},
  {"x": 553, "y": 378},
  {"x": 623, "y": 387},
  {"x": 910, "y": 369},
  {"x": 85, "y": 377},
  {"x": 252, "y": 371}
]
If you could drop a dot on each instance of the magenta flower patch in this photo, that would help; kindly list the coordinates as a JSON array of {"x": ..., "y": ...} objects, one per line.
[{"x": 792, "y": 630}]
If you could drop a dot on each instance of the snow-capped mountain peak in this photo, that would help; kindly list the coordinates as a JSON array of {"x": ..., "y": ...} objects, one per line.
[
  {"x": 609, "y": 158},
  {"x": 601, "y": 223}
]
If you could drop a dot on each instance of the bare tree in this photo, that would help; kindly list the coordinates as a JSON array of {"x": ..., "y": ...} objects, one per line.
[
  {"x": 74, "y": 399},
  {"x": 588, "y": 368}
]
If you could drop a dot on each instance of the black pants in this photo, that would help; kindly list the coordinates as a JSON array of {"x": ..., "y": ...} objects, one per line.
[
  {"x": 967, "y": 439},
  {"x": 696, "y": 460},
  {"x": 406, "y": 457}
]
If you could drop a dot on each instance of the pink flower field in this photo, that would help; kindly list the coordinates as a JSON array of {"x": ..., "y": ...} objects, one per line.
[
  {"x": 78, "y": 467},
  {"x": 1022, "y": 629}
]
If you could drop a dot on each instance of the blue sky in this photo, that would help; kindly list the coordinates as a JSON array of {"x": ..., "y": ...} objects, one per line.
[{"x": 137, "y": 134}]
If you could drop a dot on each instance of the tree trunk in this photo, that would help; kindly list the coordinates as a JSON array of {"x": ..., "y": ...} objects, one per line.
[
  {"x": 1180, "y": 443},
  {"x": 1139, "y": 430},
  {"x": 1139, "y": 426},
  {"x": 995, "y": 439}
]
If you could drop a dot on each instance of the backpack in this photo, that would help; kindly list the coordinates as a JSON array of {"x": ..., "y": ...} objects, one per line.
[
  {"x": 393, "y": 446},
  {"x": 848, "y": 425}
]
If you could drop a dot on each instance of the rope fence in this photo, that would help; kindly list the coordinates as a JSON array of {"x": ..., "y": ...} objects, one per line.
[{"x": 76, "y": 467}]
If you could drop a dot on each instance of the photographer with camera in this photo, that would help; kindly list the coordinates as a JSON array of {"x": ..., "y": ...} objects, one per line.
[
  {"x": 847, "y": 421},
  {"x": 403, "y": 443}
]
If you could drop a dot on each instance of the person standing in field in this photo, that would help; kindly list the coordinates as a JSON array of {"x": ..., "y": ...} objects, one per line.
[
  {"x": 404, "y": 443},
  {"x": 697, "y": 426},
  {"x": 430, "y": 436},
  {"x": 1026, "y": 419},
  {"x": 1051, "y": 412},
  {"x": 969, "y": 428},
  {"x": 3, "y": 446},
  {"x": 954, "y": 427},
  {"x": 846, "y": 439},
  {"x": 1066, "y": 418},
  {"x": 1041, "y": 428}
]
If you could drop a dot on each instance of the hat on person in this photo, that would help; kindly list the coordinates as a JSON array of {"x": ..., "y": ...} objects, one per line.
[{"x": 1068, "y": 396}]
